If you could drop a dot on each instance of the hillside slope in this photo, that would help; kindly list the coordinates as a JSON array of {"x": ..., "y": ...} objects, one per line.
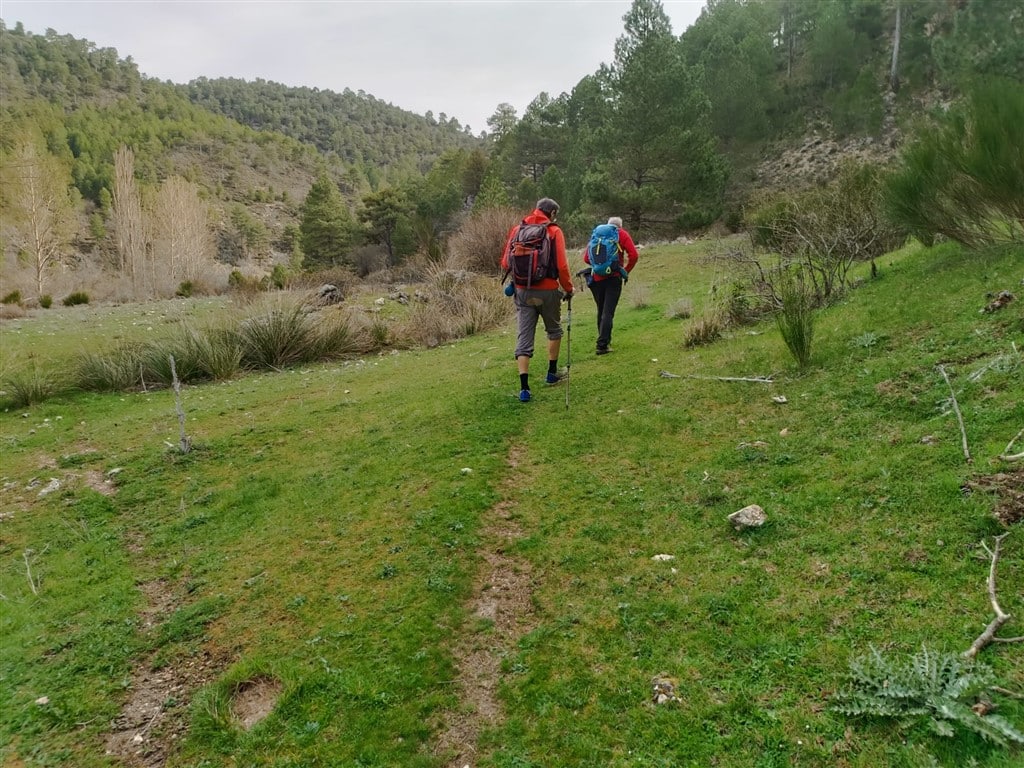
[{"x": 406, "y": 566}]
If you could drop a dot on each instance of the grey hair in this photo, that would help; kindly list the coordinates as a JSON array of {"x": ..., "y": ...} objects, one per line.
[{"x": 615, "y": 221}]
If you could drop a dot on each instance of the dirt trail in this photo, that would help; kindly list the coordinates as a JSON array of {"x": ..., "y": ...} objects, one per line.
[{"x": 502, "y": 593}]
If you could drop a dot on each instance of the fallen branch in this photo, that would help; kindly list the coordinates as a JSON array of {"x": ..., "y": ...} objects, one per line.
[
  {"x": 1006, "y": 456},
  {"x": 756, "y": 379},
  {"x": 959, "y": 417},
  {"x": 989, "y": 635}
]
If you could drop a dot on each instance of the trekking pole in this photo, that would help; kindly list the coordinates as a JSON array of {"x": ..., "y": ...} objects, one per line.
[{"x": 568, "y": 349}]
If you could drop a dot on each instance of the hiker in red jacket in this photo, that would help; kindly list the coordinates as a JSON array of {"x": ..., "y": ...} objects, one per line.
[
  {"x": 608, "y": 288},
  {"x": 536, "y": 288}
]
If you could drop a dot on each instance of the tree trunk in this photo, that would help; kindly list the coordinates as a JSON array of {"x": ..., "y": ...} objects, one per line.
[{"x": 894, "y": 78}]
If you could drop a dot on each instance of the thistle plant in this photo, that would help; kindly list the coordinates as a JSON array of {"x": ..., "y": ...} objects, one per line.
[{"x": 935, "y": 687}]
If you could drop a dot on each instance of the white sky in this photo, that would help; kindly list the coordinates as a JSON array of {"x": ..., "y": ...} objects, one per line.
[{"x": 459, "y": 57}]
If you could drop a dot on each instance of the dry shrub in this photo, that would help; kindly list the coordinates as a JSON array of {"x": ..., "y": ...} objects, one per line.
[
  {"x": 478, "y": 243},
  {"x": 11, "y": 311},
  {"x": 458, "y": 303},
  {"x": 640, "y": 295},
  {"x": 705, "y": 329},
  {"x": 343, "y": 331},
  {"x": 680, "y": 309},
  {"x": 343, "y": 277},
  {"x": 368, "y": 259}
]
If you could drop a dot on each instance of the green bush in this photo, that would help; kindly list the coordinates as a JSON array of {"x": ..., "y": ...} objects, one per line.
[
  {"x": 185, "y": 289},
  {"x": 827, "y": 230},
  {"x": 46, "y": 301},
  {"x": 279, "y": 276},
  {"x": 76, "y": 298},
  {"x": 14, "y": 297},
  {"x": 964, "y": 180}
]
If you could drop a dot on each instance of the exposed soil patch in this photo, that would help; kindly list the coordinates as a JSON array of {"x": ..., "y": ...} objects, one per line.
[
  {"x": 155, "y": 716},
  {"x": 1008, "y": 488},
  {"x": 502, "y": 594},
  {"x": 254, "y": 700},
  {"x": 99, "y": 482}
]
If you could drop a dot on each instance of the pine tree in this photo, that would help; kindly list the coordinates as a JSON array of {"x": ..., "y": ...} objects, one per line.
[{"x": 326, "y": 224}]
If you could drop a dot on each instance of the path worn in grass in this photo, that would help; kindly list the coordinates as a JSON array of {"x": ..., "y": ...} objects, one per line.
[{"x": 502, "y": 597}]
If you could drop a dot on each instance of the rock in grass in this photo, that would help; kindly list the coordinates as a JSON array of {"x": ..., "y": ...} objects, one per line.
[{"x": 751, "y": 516}]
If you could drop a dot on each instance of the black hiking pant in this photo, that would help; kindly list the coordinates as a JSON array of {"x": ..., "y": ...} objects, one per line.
[{"x": 606, "y": 295}]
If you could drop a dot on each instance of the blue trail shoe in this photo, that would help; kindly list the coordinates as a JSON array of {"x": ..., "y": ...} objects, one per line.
[
  {"x": 554, "y": 378},
  {"x": 524, "y": 396}
]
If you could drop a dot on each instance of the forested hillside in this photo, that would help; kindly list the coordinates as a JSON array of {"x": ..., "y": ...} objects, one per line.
[
  {"x": 360, "y": 129},
  {"x": 678, "y": 131},
  {"x": 100, "y": 165}
]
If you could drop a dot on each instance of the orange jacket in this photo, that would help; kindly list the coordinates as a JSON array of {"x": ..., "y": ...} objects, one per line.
[
  {"x": 627, "y": 245},
  {"x": 558, "y": 241}
]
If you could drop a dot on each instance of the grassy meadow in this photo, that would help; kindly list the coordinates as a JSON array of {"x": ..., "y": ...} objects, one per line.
[{"x": 326, "y": 535}]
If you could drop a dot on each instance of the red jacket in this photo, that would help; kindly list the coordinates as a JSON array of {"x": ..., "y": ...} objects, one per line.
[
  {"x": 627, "y": 245},
  {"x": 558, "y": 241}
]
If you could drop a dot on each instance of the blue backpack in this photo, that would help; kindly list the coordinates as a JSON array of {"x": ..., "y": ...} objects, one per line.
[{"x": 604, "y": 250}]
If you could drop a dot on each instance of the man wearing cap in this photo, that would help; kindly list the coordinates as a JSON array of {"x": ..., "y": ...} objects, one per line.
[
  {"x": 542, "y": 299},
  {"x": 607, "y": 289}
]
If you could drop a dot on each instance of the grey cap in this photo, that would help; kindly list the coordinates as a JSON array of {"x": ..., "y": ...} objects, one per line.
[{"x": 548, "y": 206}]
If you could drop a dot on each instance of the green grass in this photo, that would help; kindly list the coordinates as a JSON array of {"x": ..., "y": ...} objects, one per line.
[{"x": 322, "y": 532}]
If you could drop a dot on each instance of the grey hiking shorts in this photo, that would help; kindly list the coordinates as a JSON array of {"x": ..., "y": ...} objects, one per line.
[{"x": 530, "y": 305}]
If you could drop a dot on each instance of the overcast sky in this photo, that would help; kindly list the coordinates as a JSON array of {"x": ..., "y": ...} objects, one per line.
[{"x": 459, "y": 57}]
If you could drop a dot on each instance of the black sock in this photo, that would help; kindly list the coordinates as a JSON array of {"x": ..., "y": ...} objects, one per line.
[
  {"x": 524, "y": 381},
  {"x": 552, "y": 366}
]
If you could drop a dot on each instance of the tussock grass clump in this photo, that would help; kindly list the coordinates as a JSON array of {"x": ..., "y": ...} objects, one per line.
[
  {"x": 216, "y": 352},
  {"x": 116, "y": 371},
  {"x": 155, "y": 360},
  {"x": 341, "y": 332},
  {"x": 29, "y": 387},
  {"x": 277, "y": 337},
  {"x": 795, "y": 318}
]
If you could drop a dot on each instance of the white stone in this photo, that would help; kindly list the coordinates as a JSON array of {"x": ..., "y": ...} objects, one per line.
[{"x": 751, "y": 516}]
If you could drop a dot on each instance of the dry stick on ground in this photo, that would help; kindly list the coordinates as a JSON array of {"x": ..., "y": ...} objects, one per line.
[
  {"x": 989, "y": 635},
  {"x": 1006, "y": 456},
  {"x": 959, "y": 417},
  {"x": 186, "y": 441},
  {"x": 28, "y": 572},
  {"x": 756, "y": 379}
]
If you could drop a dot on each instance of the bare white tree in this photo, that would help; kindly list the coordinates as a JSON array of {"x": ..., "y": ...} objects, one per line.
[
  {"x": 183, "y": 243},
  {"x": 40, "y": 202},
  {"x": 128, "y": 222}
]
